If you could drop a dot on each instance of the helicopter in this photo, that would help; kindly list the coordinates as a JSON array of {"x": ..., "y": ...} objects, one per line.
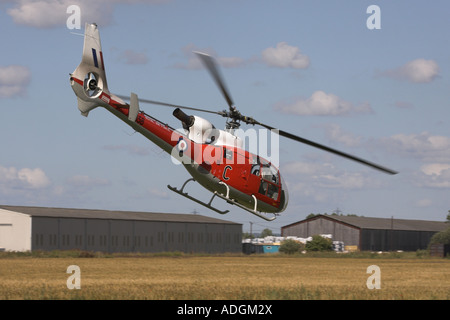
[{"x": 216, "y": 159}]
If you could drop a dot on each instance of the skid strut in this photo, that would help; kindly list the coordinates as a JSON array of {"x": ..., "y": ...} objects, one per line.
[
  {"x": 227, "y": 198},
  {"x": 186, "y": 195}
]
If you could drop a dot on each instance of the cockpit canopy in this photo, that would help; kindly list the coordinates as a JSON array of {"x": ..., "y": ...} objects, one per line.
[{"x": 272, "y": 184}]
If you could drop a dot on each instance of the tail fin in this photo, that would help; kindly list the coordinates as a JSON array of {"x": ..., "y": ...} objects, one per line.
[{"x": 89, "y": 78}]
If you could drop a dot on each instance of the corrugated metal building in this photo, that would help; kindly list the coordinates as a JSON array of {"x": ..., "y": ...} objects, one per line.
[
  {"x": 37, "y": 228},
  {"x": 376, "y": 234}
]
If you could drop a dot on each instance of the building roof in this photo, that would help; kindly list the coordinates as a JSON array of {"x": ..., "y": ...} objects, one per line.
[
  {"x": 383, "y": 223},
  {"x": 114, "y": 215}
]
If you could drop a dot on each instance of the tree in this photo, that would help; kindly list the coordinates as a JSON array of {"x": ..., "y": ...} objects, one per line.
[
  {"x": 448, "y": 217},
  {"x": 266, "y": 232},
  {"x": 441, "y": 237},
  {"x": 290, "y": 246},
  {"x": 319, "y": 243},
  {"x": 247, "y": 235}
]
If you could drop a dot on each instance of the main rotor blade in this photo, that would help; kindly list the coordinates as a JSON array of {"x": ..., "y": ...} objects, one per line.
[
  {"x": 169, "y": 105},
  {"x": 328, "y": 149},
  {"x": 212, "y": 67}
]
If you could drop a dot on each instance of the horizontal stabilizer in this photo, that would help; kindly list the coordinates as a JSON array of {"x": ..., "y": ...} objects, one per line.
[
  {"x": 134, "y": 107},
  {"x": 86, "y": 106}
]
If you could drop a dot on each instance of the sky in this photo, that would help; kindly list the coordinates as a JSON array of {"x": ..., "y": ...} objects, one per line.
[{"x": 370, "y": 81}]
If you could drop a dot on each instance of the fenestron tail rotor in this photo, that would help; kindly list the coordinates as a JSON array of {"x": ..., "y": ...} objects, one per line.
[{"x": 91, "y": 85}]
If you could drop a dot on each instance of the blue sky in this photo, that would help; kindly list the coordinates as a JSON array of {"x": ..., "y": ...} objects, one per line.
[{"x": 312, "y": 68}]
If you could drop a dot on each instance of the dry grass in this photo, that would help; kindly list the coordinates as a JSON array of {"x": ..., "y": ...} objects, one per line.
[{"x": 227, "y": 278}]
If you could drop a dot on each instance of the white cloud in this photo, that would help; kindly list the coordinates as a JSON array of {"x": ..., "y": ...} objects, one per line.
[
  {"x": 14, "y": 80},
  {"x": 433, "y": 151},
  {"x": 336, "y": 134},
  {"x": 322, "y": 104},
  {"x": 35, "y": 178},
  {"x": 322, "y": 182},
  {"x": 13, "y": 178},
  {"x": 416, "y": 71},
  {"x": 285, "y": 56},
  {"x": 344, "y": 180},
  {"x": 282, "y": 56},
  {"x": 435, "y": 168},
  {"x": 424, "y": 203},
  {"x": 326, "y": 175},
  {"x": 53, "y": 13},
  {"x": 435, "y": 175},
  {"x": 423, "y": 146}
]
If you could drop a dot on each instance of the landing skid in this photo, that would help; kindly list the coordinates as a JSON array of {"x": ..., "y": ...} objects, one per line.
[
  {"x": 224, "y": 197},
  {"x": 186, "y": 195}
]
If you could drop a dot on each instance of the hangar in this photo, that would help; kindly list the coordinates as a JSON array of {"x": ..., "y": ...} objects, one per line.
[
  {"x": 376, "y": 234},
  {"x": 39, "y": 228}
]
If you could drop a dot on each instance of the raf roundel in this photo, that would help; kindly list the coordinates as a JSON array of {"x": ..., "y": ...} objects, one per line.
[{"x": 182, "y": 145}]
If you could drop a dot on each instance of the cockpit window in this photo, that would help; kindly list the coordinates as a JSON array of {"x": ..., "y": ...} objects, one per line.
[
  {"x": 269, "y": 172},
  {"x": 270, "y": 182}
]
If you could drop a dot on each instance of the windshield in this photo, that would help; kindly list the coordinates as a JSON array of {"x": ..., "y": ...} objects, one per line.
[
  {"x": 284, "y": 199},
  {"x": 269, "y": 172},
  {"x": 270, "y": 178}
]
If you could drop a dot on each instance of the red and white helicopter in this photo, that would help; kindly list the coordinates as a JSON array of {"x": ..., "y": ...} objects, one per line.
[{"x": 228, "y": 171}]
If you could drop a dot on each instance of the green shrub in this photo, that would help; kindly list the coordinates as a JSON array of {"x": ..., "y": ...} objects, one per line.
[
  {"x": 422, "y": 253},
  {"x": 290, "y": 246},
  {"x": 319, "y": 243}
]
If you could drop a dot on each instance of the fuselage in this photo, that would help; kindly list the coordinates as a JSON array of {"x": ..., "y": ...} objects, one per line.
[
  {"x": 210, "y": 156},
  {"x": 211, "y": 164}
]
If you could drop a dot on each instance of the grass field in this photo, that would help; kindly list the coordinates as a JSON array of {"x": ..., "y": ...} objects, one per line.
[{"x": 223, "y": 277}]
